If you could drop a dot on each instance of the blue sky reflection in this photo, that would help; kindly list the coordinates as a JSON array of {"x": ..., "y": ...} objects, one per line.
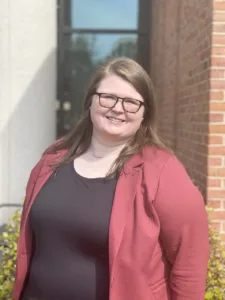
[{"x": 104, "y": 14}]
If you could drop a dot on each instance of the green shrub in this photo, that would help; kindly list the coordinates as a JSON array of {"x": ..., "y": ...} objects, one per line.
[
  {"x": 215, "y": 278},
  {"x": 216, "y": 267},
  {"x": 8, "y": 247}
]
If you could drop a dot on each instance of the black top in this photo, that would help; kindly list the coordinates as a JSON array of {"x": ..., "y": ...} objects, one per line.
[{"x": 70, "y": 222}]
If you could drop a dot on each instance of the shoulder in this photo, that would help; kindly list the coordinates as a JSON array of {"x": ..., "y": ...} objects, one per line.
[
  {"x": 48, "y": 155},
  {"x": 158, "y": 161},
  {"x": 53, "y": 152},
  {"x": 53, "y": 148},
  {"x": 156, "y": 158},
  {"x": 162, "y": 167}
]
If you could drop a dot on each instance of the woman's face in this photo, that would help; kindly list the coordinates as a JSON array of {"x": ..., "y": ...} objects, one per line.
[{"x": 115, "y": 123}]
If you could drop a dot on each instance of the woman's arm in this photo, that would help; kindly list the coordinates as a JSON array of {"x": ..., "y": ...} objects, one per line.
[{"x": 184, "y": 231}]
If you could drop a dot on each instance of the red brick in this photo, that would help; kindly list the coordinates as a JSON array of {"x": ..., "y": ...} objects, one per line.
[
  {"x": 214, "y": 161},
  {"x": 216, "y": 128},
  {"x": 216, "y": 117},
  {"x": 218, "y": 39},
  {"x": 218, "y": 172},
  {"x": 216, "y": 95},
  {"x": 215, "y": 139},
  {"x": 189, "y": 78},
  {"x": 217, "y": 215},
  {"x": 212, "y": 182},
  {"x": 219, "y": 5},
  {"x": 217, "y": 84},
  {"x": 216, "y": 225},
  {"x": 219, "y": 16},
  {"x": 215, "y": 204},
  {"x": 216, "y": 150},
  {"x": 217, "y": 73},
  {"x": 218, "y": 62},
  {"x": 217, "y": 194},
  {"x": 218, "y": 27},
  {"x": 215, "y": 106}
]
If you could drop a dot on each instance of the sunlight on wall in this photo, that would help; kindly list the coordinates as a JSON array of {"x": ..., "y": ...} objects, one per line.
[{"x": 27, "y": 96}]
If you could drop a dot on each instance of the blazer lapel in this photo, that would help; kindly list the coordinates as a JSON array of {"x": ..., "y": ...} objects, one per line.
[
  {"x": 123, "y": 200},
  {"x": 45, "y": 173}
]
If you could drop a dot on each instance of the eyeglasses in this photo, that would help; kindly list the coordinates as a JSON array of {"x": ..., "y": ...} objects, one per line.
[{"x": 109, "y": 101}]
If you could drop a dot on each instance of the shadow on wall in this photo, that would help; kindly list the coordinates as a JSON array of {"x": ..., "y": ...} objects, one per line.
[
  {"x": 180, "y": 70},
  {"x": 27, "y": 131}
]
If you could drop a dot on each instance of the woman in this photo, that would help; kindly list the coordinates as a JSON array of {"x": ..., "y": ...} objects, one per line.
[{"x": 109, "y": 212}]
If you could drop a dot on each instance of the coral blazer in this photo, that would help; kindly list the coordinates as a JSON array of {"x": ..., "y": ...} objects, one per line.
[{"x": 158, "y": 236}]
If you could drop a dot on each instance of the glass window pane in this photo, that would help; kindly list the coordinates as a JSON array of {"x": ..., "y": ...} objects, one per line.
[
  {"x": 83, "y": 54},
  {"x": 102, "y": 14}
]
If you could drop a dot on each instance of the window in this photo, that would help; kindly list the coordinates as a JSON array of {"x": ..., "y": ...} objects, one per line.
[{"x": 89, "y": 32}]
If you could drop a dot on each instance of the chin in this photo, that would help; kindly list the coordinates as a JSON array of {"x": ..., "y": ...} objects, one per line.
[{"x": 115, "y": 135}]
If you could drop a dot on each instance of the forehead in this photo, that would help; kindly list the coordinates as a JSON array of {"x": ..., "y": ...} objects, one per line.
[{"x": 116, "y": 85}]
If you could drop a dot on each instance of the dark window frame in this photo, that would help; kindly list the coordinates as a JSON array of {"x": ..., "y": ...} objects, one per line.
[{"x": 143, "y": 45}]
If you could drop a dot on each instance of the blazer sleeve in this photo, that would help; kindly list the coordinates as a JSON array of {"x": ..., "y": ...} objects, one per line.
[{"x": 183, "y": 231}]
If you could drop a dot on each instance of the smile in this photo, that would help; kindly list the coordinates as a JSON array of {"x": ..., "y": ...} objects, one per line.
[{"x": 115, "y": 120}]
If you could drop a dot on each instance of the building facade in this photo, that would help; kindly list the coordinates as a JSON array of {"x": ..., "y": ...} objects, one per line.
[
  {"x": 27, "y": 93},
  {"x": 188, "y": 69},
  {"x": 49, "y": 49}
]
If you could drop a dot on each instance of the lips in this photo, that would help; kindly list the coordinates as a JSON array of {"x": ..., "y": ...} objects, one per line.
[{"x": 115, "y": 120}]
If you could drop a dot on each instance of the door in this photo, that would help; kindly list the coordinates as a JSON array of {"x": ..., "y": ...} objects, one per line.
[{"x": 90, "y": 32}]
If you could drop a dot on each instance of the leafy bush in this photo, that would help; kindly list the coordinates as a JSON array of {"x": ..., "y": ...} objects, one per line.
[
  {"x": 215, "y": 278},
  {"x": 216, "y": 267},
  {"x": 8, "y": 248}
]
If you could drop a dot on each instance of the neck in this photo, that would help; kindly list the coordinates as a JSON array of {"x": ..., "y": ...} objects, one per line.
[{"x": 101, "y": 148}]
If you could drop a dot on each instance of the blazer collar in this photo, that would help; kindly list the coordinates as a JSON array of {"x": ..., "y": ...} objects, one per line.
[{"x": 134, "y": 163}]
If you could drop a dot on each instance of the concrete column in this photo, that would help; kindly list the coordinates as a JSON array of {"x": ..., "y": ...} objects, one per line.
[{"x": 27, "y": 93}]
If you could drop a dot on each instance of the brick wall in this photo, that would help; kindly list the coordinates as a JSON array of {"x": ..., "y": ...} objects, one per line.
[
  {"x": 188, "y": 70},
  {"x": 216, "y": 157}
]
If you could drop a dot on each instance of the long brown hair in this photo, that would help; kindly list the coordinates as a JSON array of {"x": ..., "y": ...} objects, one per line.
[{"x": 78, "y": 139}]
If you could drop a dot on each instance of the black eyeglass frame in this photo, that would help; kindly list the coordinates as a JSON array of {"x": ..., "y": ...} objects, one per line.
[{"x": 119, "y": 98}]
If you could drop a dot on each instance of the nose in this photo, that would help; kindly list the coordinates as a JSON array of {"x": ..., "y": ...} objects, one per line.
[{"x": 118, "y": 107}]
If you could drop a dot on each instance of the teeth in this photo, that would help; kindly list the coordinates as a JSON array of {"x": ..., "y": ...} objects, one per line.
[{"x": 114, "y": 119}]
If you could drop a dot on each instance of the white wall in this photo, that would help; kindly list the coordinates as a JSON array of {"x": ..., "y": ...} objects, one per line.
[{"x": 27, "y": 93}]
